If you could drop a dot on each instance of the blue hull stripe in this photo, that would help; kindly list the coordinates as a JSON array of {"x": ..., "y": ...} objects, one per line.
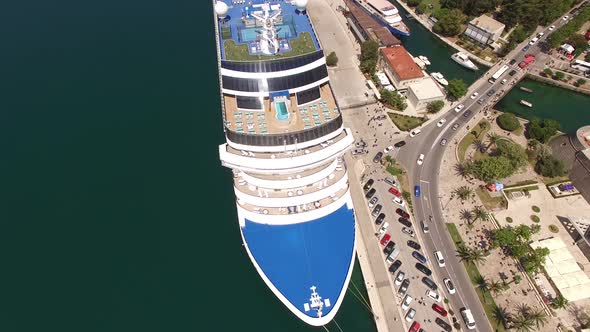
[{"x": 297, "y": 256}]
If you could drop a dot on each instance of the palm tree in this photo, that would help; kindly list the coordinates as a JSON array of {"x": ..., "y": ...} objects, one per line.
[
  {"x": 464, "y": 253},
  {"x": 477, "y": 256},
  {"x": 464, "y": 169},
  {"x": 523, "y": 309},
  {"x": 466, "y": 216},
  {"x": 539, "y": 317},
  {"x": 496, "y": 286},
  {"x": 493, "y": 139},
  {"x": 480, "y": 145},
  {"x": 483, "y": 285},
  {"x": 389, "y": 159},
  {"x": 523, "y": 323},
  {"x": 463, "y": 193},
  {"x": 480, "y": 213},
  {"x": 501, "y": 316},
  {"x": 560, "y": 302}
]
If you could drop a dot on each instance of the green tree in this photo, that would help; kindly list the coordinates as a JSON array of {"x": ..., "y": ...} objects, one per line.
[
  {"x": 477, "y": 256},
  {"x": 332, "y": 59},
  {"x": 457, "y": 88},
  {"x": 482, "y": 284},
  {"x": 463, "y": 193},
  {"x": 480, "y": 213},
  {"x": 537, "y": 150},
  {"x": 559, "y": 75},
  {"x": 493, "y": 138},
  {"x": 508, "y": 121},
  {"x": 393, "y": 100},
  {"x": 587, "y": 58},
  {"x": 413, "y": 3},
  {"x": 369, "y": 56},
  {"x": 464, "y": 169},
  {"x": 580, "y": 81},
  {"x": 548, "y": 72},
  {"x": 539, "y": 317},
  {"x": 449, "y": 21},
  {"x": 534, "y": 260},
  {"x": 435, "y": 106},
  {"x": 524, "y": 232},
  {"x": 496, "y": 287},
  {"x": 492, "y": 168},
  {"x": 550, "y": 167},
  {"x": 543, "y": 130},
  {"x": 515, "y": 153},
  {"x": 560, "y": 302},
  {"x": 523, "y": 323},
  {"x": 579, "y": 42},
  {"x": 505, "y": 236}
]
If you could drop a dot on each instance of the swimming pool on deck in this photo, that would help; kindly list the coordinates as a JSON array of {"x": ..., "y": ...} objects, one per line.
[{"x": 282, "y": 113}]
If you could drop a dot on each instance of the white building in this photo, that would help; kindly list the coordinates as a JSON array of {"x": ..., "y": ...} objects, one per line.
[
  {"x": 423, "y": 92},
  {"x": 484, "y": 30}
]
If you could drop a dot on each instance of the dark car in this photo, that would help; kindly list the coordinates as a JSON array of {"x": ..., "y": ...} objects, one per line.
[
  {"x": 419, "y": 257},
  {"x": 455, "y": 126},
  {"x": 405, "y": 222},
  {"x": 369, "y": 184},
  {"x": 370, "y": 193},
  {"x": 402, "y": 213},
  {"x": 393, "y": 267},
  {"x": 513, "y": 61},
  {"x": 389, "y": 248},
  {"x": 403, "y": 288},
  {"x": 380, "y": 218},
  {"x": 413, "y": 244},
  {"x": 378, "y": 157},
  {"x": 512, "y": 72},
  {"x": 443, "y": 324},
  {"x": 526, "y": 48},
  {"x": 491, "y": 92},
  {"x": 400, "y": 144},
  {"x": 376, "y": 210},
  {"x": 481, "y": 100},
  {"x": 429, "y": 283},
  {"x": 423, "y": 269},
  {"x": 467, "y": 113}
]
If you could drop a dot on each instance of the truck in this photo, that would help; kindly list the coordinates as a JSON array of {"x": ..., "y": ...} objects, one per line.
[
  {"x": 498, "y": 73},
  {"x": 528, "y": 59}
]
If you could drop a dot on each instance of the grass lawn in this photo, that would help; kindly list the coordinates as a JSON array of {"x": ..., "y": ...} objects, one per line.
[
  {"x": 480, "y": 130},
  {"x": 226, "y": 33},
  {"x": 490, "y": 203},
  {"x": 239, "y": 52},
  {"x": 485, "y": 298},
  {"x": 557, "y": 179},
  {"x": 405, "y": 122},
  {"x": 435, "y": 5},
  {"x": 530, "y": 188}
]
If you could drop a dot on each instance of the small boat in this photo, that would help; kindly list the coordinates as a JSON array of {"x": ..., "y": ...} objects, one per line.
[
  {"x": 525, "y": 89},
  {"x": 439, "y": 78},
  {"x": 525, "y": 103},
  {"x": 424, "y": 59},
  {"x": 463, "y": 60},
  {"x": 419, "y": 62}
]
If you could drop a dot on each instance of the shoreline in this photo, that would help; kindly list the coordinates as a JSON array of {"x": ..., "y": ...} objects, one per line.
[{"x": 558, "y": 84}]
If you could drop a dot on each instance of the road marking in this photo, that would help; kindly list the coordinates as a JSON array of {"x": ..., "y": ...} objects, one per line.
[{"x": 424, "y": 181}]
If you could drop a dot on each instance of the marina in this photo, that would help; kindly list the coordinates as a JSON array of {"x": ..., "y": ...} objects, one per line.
[{"x": 388, "y": 14}]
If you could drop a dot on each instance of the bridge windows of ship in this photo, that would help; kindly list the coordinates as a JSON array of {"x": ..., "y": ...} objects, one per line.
[
  {"x": 266, "y": 85},
  {"x": 308, "y": 96},
  {"x": 272, "y": 65}
]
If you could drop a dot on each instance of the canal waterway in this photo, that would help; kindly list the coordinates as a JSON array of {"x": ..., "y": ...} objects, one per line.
[
  {"x": 569, "y": 108},
  {"x": 116, "y": 213}
]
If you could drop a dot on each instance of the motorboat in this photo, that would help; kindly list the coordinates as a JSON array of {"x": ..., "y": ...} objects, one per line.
[
  {"x": 424, "y": 59},
  {"x": 463, "y": 60},
  {"x": 439, "y": 78}
]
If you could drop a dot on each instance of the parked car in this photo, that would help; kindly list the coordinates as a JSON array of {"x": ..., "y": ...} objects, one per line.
[
  {"x": 551, "y": 28},
  {"x": 415, "y": 132},
  {"x": 376, "y": 210},
  {"x": 439, "y": 258},
  {"x": 419, "y": 257},
  {"x": 415, "y": 327},
  {"x": 481, "y": 100},
  {"x": 400, "y": 144},
  {"x": 420, "y": 160},
  {"x": 433, "y": 295},
  {"x": 533, "y": 41},
  {"x": 406, "y": 302},
  {"x": 357, "y": 152},
  {"x": 399, "y": 278},
  {"x": 443, "y": 324},
  {"x": 393, "y": 267},
  {"x": 417, "y": 191},
  {"x": 405, "y": 222},
  {"x": 474, "y": 95},
  {"x": 408, "y": 231},
  {"x": 402, "y": 213},
  {"x": 373, "y": 201},
  {"x": 383, "y": 228},
  {"x": 429, "y": 283},
  {"x": 387, "y": 149},
  {"x": 380, "y": 218},
  {"x": 491, "y": 92},
  {"x": 565, "y": 18},
  {"x": 385, "y": 239},
  {"x": 410, "y": 315},
  {"x": 389, "y": 181},
  {"x": 512, "y": 72},
  {"x": 369, "y": 184},
  {"x": 395, "y": 192},
  {"x": 513, "y": 61},
  {"x": 526, "y": 48},
  {"x": 422, "y": 268},
  {"x": 459, "y": 108},
  {"x": 413, "y": 244},
  {"x": 449, "y": 284},
  {"x": 370, "y": 193},
  {"x": 404, "y": 287},
  {"x": 378, "y": 157},
  {"x": 424, "y": 226},
  {"x": 398, "y": 201},
  {"x": 389, "y": 248},
  {"x": 503, "y": 81}
]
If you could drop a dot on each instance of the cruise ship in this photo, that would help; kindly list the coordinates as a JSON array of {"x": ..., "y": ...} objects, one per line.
[
  {"x": 285, "y": 142},
  {"x": 386, "y": 13}
]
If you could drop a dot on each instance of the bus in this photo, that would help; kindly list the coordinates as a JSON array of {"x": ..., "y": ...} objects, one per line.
[
  {"x": 498, "y": 73},
  {"x": 581, "y": 65}
]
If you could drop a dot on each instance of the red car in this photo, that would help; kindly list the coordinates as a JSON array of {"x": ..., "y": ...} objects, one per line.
[
  {"x": 439, "y": 309},
  {"x": 415, "y": 327},
  {"x": 402, "y": 213},
  {"x": 395, "y": 192},
  {"x": 528, "y": 59},
  {"x": 385, "y": 239}
]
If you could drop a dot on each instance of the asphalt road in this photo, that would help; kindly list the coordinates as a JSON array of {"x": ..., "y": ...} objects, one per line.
[{"x": 427, "y": 176}]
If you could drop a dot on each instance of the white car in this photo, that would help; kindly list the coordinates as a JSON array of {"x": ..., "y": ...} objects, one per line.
[
  {"x": 433, "y": 295},
  {"x": 406, "y": 303},
  {"x": 383, "y": 228},
  {"x": 449, "y": 284},
  {"x": 398, "y": 201},
  {"x": 459, "y": 108},
  {"x": 420, "y": 160},
  {"x": 387, "y": 149},
  {"x": 565, "y": 17},
  {"x": 551, "y": 28},
  {"x": 408, "y": 231},
  {"x": 474, "y": 95},
  {"x": 441, "y": 122},
  {"x": 410, "y": 315},
  {"x": 541, "y": 34},
  {"x": 399, "y": 278},
  {"x": 373, "y": 201},
  {"x": 439, "y": 258},
  {"x": 415, "y": 132},
  {"x": 504, "y": 81},
  {"x": 533, "y": 41}
]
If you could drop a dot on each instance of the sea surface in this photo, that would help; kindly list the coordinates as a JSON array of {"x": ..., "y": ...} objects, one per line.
[{"x": 116, "y": 214}]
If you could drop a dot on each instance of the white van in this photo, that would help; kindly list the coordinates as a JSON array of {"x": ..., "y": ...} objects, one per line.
[
  {"x": 468, "y": 318},
  {"x": 439, "y": 258}
]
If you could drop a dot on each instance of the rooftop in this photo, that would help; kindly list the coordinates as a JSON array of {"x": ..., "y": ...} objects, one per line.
[
  {"x": 487, "y": 23},
  {"x": 380, "y": 33},
  {"x": 242, "y": 31},
  {"x": 426, "y": 89},
  {"x": 401, "y": 62}
]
